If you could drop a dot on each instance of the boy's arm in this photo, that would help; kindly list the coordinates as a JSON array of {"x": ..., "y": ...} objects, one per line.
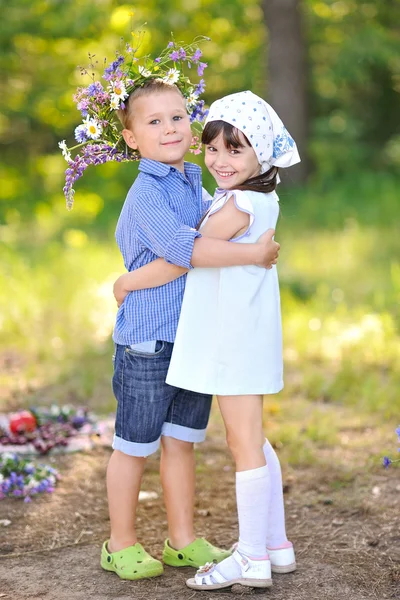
[{"x": 223, "y": 225}]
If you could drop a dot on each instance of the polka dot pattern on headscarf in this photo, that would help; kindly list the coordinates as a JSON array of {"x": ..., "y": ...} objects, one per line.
[{"x": 271, "y": 141}]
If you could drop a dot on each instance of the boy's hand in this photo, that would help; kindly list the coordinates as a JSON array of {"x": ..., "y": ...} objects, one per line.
[
  {"x": 119, "y": 289},
  {"x": 269, "y": 249}
]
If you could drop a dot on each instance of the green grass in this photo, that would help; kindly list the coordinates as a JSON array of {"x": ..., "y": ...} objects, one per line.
[{"x": 340, "y": 286}]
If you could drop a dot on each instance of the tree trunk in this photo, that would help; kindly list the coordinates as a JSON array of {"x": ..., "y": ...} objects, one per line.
[{"x": 287, "y": 75}]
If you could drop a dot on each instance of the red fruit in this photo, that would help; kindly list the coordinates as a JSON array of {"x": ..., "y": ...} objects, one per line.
[{"x": 22, "y": 421}]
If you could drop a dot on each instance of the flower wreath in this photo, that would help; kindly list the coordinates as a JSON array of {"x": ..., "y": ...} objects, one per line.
[{"x": 99, "y": 136}]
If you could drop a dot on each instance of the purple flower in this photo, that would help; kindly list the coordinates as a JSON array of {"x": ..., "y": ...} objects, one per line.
[
  {"x": 157, "y": 60},
  {"x": 94, "y": 88},
  {"x": 114, "y": 69},
  {"x": 386, "y": 461},
  {"x": 182, "y": 53},
  {"x": 398, "y": 432},
  {"x": 200, "y": 68},
  {"x": 80, "y": 134},
  {"x": 27, "y": 499},
  {"x": 196, "y": 56},
  {"x": 174, "y": 55},
  {"x": 200, "y": 87},
  {"x": 170, "y": 45},
  {"x": 17, "y": 493}
]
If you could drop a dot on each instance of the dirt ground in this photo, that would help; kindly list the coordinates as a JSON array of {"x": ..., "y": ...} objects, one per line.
[{"x": 347, "y": 536}]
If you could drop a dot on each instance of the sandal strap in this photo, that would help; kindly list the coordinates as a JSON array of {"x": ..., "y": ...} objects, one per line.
[
  {"x": 209, "y": 577},
  {"x": 242, "y": 561}
]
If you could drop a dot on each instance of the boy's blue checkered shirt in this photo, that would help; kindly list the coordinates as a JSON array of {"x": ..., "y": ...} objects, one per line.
[{"x": 158, "y": 219}]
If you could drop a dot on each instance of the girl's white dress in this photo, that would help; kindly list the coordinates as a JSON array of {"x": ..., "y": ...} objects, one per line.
[{"x": 229, "y": 337}]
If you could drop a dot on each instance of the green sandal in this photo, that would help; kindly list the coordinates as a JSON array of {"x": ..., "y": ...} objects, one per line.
[
  {"x": 131, "y": 563},
  {"x": 196, "y": 554}
]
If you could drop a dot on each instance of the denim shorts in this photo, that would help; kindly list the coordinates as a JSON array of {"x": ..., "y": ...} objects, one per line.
[{"x": 147, "y": 407}]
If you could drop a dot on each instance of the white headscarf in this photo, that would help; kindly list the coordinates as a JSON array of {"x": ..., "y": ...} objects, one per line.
[{"x": 257, "y": 120}]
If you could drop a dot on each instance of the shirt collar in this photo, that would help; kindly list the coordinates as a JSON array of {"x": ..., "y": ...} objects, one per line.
[{"x": 153, "y": 167}]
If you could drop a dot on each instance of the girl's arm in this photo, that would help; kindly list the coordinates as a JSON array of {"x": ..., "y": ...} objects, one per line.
[{"x": 223, "y": 225}]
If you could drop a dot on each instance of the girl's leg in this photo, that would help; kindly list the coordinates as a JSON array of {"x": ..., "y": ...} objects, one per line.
[
  {"x": 242, "y": 416},
  {"x": 177, "y": 469},
  {"x": 276, "y": 516}
]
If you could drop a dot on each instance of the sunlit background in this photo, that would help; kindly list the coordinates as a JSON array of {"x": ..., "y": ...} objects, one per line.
[{"x": 339, "y": 228}]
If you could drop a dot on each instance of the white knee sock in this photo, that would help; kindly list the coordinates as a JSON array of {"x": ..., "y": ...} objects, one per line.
[
  {"x": 276, "y": 535},
  {"x": 252, "y": 493}
]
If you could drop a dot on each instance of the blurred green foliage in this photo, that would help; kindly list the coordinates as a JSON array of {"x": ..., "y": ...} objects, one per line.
[{"x": 354, "y": 85}]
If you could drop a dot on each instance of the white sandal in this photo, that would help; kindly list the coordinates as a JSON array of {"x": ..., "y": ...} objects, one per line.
[
  {"x": 283, "y": 560},
  {"x": 254, "y": 573}
]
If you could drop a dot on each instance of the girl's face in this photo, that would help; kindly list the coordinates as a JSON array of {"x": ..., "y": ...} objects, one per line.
[{"x": 231, "y": 167}]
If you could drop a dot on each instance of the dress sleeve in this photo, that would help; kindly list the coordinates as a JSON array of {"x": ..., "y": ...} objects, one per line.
[{"x": 242, "y": 203}]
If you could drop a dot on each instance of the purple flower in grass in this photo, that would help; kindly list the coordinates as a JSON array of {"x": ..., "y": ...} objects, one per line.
[
  {"x": 17, "y": 493},
  {"x": 386, "y": 462},
  {"x": 398, "y": 432},
  {"x": 170, "y": 44},
  {"x": 157, "y": 60},
  {"x": 182, "y": 53},
  {"x": 174, "y": 55}
]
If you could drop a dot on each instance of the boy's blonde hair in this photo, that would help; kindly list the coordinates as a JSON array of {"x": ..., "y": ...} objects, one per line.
[{"x": 150, "y": 87}]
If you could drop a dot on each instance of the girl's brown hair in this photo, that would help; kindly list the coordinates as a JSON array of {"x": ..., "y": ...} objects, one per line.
[{"x": 265, "y": 182}]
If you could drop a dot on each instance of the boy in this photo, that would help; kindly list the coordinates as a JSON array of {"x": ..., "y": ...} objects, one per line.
[{"x": 158, "y": 219}]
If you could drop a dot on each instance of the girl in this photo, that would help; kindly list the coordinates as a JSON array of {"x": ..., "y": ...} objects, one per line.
[{"x": 229, "y": 341}]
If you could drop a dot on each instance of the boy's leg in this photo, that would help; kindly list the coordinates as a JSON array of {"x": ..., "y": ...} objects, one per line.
[
  {"x": 177, "y": 469},
  {"x": 185, "y": 424},
  {"x": 143, "y": 401},
  {"x": 124, "y": 476}
]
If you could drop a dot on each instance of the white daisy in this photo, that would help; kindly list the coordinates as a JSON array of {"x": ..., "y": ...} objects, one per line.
[
  {"x": 93, "y": 128},
  {"x": 172, "y": 76},
  {"x": 144, "y": 72},
  {"x": 192, "y": 99},
  {"x": 118, "y": 90},
  {"x": 114, "y": 104},
  {"x": 64, "y": 149}
]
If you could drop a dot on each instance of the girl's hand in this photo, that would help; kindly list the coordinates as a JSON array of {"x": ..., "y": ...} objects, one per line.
[
  {"x": 269, "y": 249},
  {"x": 119, "y": 289}
]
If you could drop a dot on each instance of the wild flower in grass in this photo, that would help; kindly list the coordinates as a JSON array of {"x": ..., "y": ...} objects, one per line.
[
  {"x": 388, "y": 461},
  {"x": 20, "y": 478},
  {"x": 174, "y": 55}
]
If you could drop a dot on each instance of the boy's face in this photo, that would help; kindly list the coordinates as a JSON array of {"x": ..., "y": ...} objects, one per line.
[{"x": 160, "y": 127}]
